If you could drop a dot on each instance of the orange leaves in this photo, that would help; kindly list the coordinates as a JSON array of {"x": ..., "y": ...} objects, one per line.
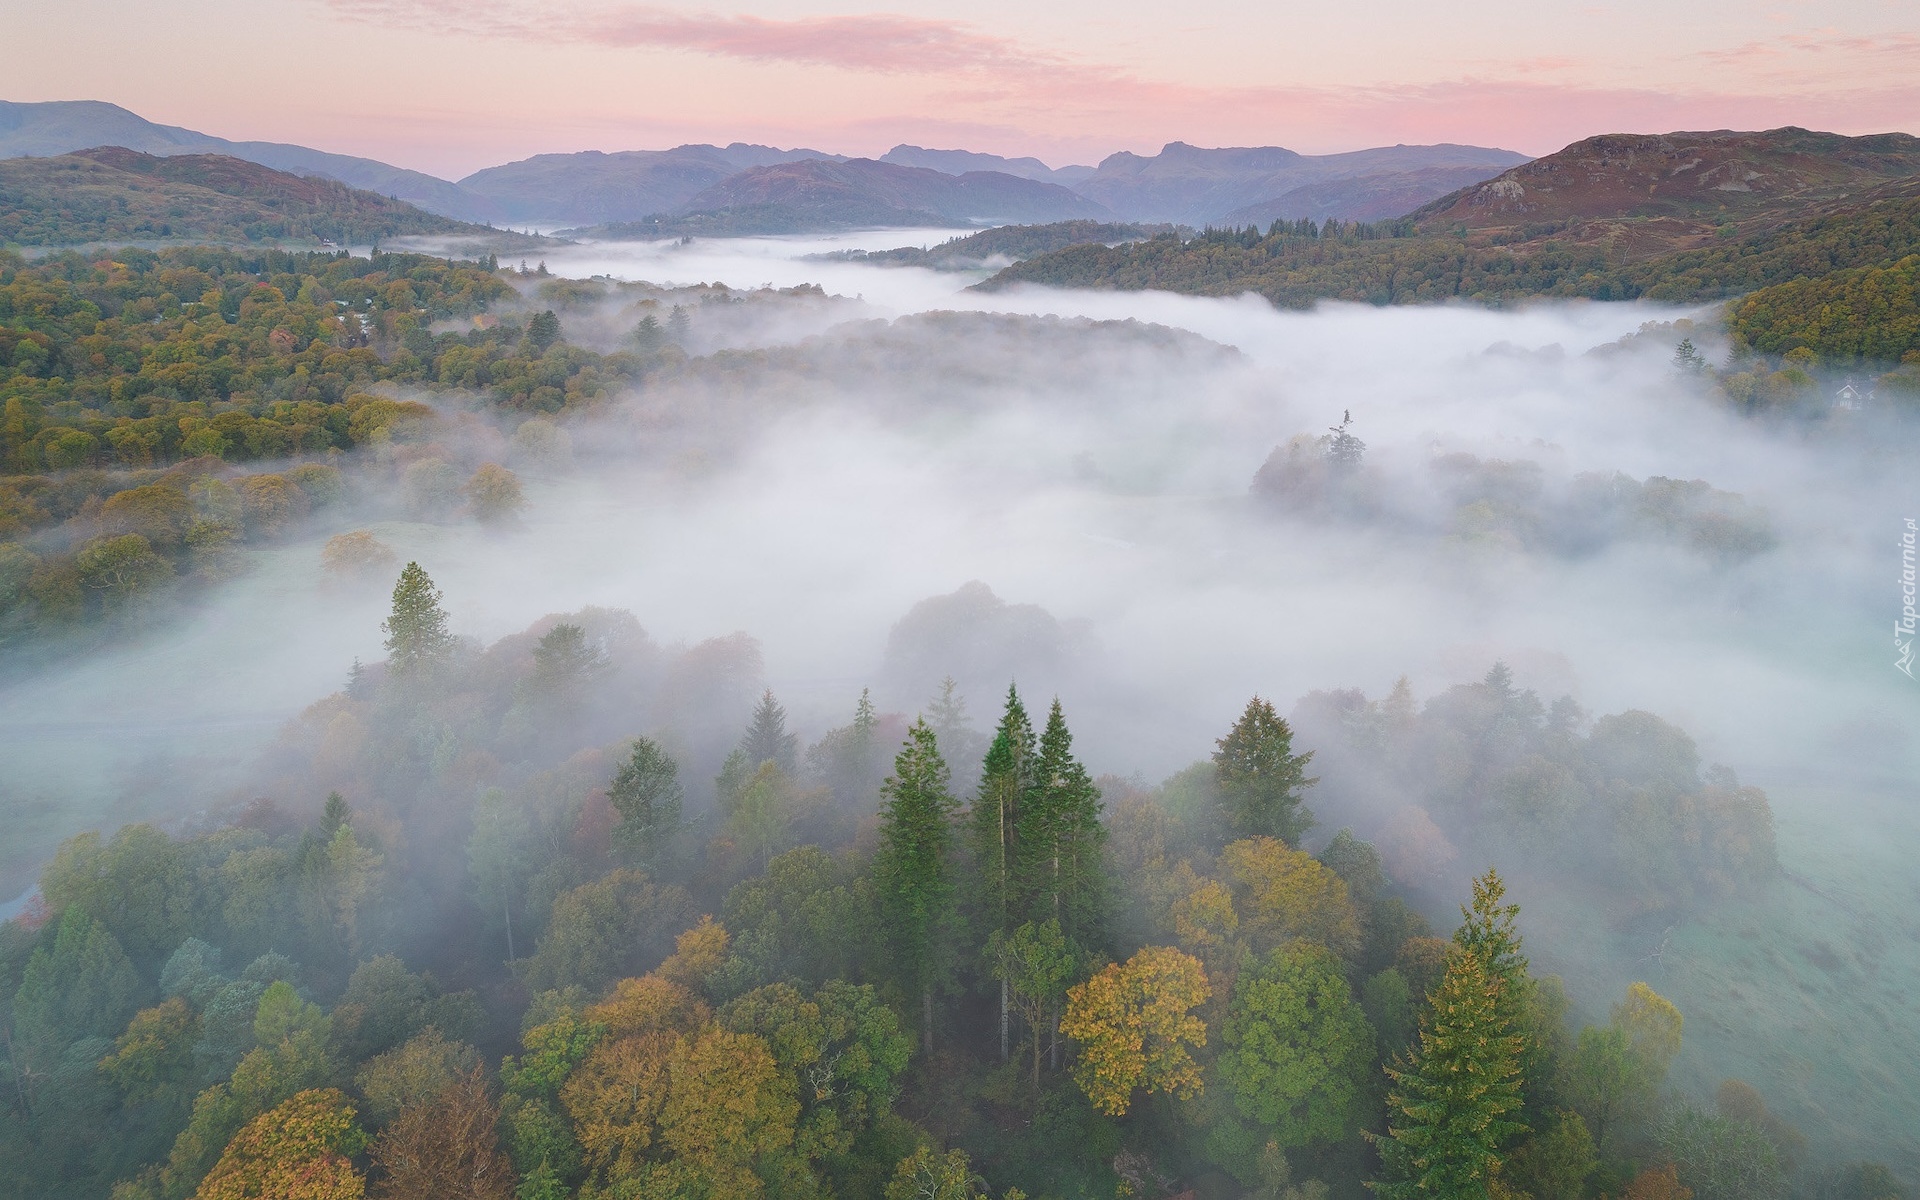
[{"x": 1135, "y": 1027}]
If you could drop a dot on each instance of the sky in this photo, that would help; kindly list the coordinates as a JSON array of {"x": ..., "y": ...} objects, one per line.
[{"x": 449, "y": 86}]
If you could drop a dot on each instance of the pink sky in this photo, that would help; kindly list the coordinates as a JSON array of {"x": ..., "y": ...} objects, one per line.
[{"x": 448, "y": 86}]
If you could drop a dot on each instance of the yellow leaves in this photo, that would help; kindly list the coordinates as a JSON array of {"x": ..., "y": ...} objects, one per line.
[
  {"x": 1652, "y": 1025},
  {"x": 697, "y": 953},
  {"x": 300, "y": 1150},
  {"x": 1284, "y": 894},
  {"x": 1134, "y": 1025},
  {"x": 615, "y": 1098},
  {"x": 650, "y": 1005}
]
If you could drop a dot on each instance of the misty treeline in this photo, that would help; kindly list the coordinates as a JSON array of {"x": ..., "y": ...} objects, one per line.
[
  {"x": 146, "y": 398},
  {"x": 575, "y": 914},
  {"x": 1834, "y": 289},
  {"x": 1477, "y": 504}
]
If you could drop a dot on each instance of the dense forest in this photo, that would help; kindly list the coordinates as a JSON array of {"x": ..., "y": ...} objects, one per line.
[
  {"x": 1295, "y": 264},
  {"x": 144, "y": 396},
  {"x": 573, "y": 915},
  {"x": 112, "y": 194}
]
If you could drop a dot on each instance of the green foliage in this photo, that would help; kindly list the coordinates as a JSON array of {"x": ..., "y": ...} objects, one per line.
[
  {"x": 1556, "y": 1163},
  {"x": 418, "y": 642},
  {"x": 912, "y": 870},
  {"x": 1453, "y": 1105},
  {"x": 1393, "y": 264},
  {"x": 1870, "y": 314},
  {"x": 1260, "y": 779},
  {"x": 1036, "y": 962},
  {"x": 803, "y": 920},
  {"x": 619, "y": 925},
  {"x": 79, "y": 986},
  {"x": 1295, "y": 1047},
  {"x": 1722, "y": 1158},
  {"x": 646, "y": 793},
  {"x": 1059, "y": 837}
]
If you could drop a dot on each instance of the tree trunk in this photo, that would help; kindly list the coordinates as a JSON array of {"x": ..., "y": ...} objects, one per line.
[
  {"x": 1053, "y": 1041},
  {"x": 506, "y": 908},
  {"x": 1003, "y": 1020},
  {"x": 926, "y": 1021},
  {"x": 1036, "y": 1055}
]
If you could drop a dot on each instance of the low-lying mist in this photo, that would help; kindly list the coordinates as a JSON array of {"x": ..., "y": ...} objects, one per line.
[{"x": 919, "y": 481}]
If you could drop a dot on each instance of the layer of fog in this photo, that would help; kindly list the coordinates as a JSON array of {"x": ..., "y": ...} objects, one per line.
[{"x": 1118, "y": 501}]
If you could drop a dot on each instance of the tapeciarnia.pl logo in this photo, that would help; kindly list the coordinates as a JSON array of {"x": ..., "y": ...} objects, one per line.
[{"x": 1903, "y": 629}]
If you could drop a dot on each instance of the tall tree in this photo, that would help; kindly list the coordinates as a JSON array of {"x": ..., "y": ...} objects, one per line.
[
  {"x": 913, "y": 869},
  {"x": 1451, "y": 1108},
  {"x": 1059, "y": 838},
  {"x": 767, "y": 739},
  {"x": 1259, "y": 777},
  {"x": 418, "y": 642},
  {"x": 646, "y": 793},
  {"x": 1489, "y": 932},
  {"x": 995, "y": 819}
]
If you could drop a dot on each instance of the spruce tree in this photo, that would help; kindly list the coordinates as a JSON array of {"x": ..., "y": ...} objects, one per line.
[
  {"x": 1060, "y": 836},
  {"x": 1005, "y": 783},
  {"x": 913, "y": 869},
  {"x": 1452, "y": 1107},
  {"x": 646, "y": 793},
  {"x": 767, "y": 739},
  {"x": 418, "y": 643},
  {"x": 1260, "y": 778}
]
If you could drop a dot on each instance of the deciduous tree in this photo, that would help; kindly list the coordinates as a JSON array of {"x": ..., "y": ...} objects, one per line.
[{"x": 1136, "y": 1030}]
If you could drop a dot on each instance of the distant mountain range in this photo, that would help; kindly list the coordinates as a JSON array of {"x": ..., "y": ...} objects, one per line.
[
  {"x": 111, "y": 193},
  {"x": 692, "y": 183}
]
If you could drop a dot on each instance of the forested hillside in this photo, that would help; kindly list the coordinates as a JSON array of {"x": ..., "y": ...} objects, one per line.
[
  {"x": 115, "y": 194},
  {"x": 145, "y": 398},
  {"x": 540, "y": 918}
]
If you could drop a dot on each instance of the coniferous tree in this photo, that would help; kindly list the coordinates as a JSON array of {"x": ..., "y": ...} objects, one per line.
[
  {"x": 1487, "y": 931},
  {"x": 646, "y": 793},
  {"x": 767, "y": 739},
  {"x": 1005, "y": 784},
  {"x": 418, "y": 643},
  {"x": 1260, "y": 778},
  {"x": 1060, "y": 836},
  {"x": 1453, "y": 1105},
  {"x": 913, "y": 869}
]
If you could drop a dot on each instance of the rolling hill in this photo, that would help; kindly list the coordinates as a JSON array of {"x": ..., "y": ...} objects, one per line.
[
  {"x": 1652, "y": 193},
  {"x": 1191, "y": 185},
  {"x": 111, "y": 193},
  {"x": 959, "y": 162},
  {"x": 64, "y": 126}
]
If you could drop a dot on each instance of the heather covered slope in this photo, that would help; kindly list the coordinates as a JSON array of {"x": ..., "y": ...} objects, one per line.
[
  {"x": 61, "y": 127},
  {"x": 113, "y": 193}
]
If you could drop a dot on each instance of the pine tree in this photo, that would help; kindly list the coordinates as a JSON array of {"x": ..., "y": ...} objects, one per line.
[
  {"x": 1488, "y": 932},
  {"x": 1451, "y": 1107},
  {"x": 767, "y": 739},
  {"x": 1260, "y": 778},
  {"x": 646, "y": 793},
  {"x": 1004, "y": 786},
  {"x": 913, "y": 871},
  {"x": 418, "y": 643}
]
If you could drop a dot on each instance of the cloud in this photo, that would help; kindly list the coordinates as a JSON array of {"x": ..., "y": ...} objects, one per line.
[{"x": 878, "y": 42}]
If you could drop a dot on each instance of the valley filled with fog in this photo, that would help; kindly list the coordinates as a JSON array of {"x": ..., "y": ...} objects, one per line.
[{"x": 842, "y": 456}]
